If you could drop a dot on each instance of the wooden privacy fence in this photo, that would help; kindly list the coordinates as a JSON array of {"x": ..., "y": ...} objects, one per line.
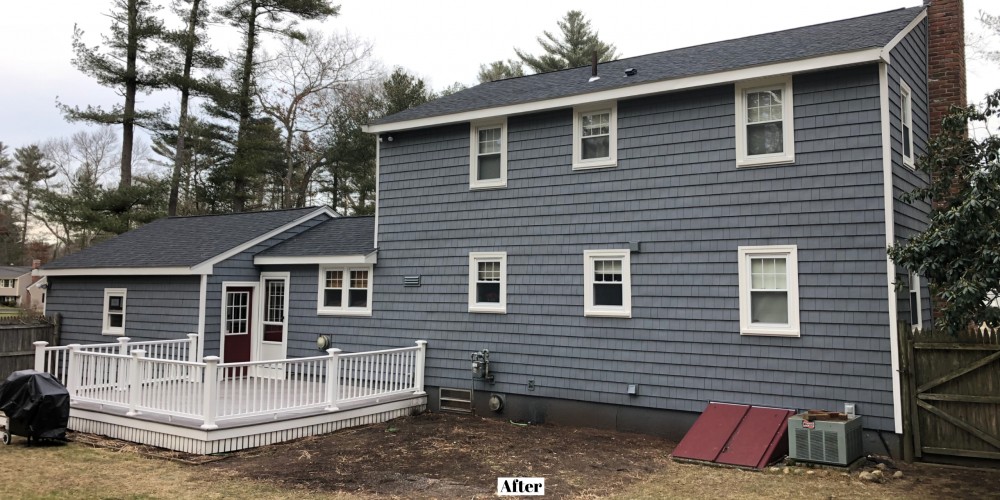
[
  {"x": 17, "y": 350},
  {"x": 951, "y": 393}
]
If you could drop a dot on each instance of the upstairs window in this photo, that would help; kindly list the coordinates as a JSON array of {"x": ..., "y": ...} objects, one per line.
[
  {"x": 607, "y": 283},
  {"x": 488, "y": 282},
  {"x": 595, "y": 136},
  {"x": 8, "y": 283},
  {"x": 114, "y": 311},
  {"x": 906, "y": 122},
  {"x": 344, "y": 291},
  {"x": 769, "y": 291},
  {"x": 764, "y": 130},
  {"x": 488, "y": 161}
]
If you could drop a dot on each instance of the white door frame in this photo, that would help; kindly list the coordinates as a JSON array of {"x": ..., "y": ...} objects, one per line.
[{"x": 255, "y": 311}]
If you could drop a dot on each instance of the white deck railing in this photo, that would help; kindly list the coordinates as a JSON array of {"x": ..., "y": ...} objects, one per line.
[
  {"x": 55, "y": 359},
  {"x": 211, "y": 392}
]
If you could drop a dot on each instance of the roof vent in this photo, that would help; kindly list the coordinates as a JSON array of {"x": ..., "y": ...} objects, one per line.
[{"x": 630, "y": 71}]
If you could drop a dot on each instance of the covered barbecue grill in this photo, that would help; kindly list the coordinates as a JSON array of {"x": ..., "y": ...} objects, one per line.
[{"x": 35, "y": 406}]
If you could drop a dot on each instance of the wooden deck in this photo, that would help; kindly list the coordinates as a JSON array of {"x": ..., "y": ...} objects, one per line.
[{"x": 210, "y": 407}]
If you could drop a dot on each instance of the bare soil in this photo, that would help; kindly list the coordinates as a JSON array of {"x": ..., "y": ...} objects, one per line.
[{"x": 455, "y": 456}]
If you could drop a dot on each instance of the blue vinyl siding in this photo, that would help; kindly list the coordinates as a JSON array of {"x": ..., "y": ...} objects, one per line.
[
  {"x": 909, "y": 64},
  {"x": 156, "y": 307},
  {"x": 676, "y": 190}
]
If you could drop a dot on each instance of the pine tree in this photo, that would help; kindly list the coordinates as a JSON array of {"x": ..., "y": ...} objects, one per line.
[
  {"x": 576, "y": 47},
  {"x": 30, "y": 170},
  {"x": 127, "y": 66},
  {"x": 253, "y": 17},
  {"x": 499, "y": 70}
]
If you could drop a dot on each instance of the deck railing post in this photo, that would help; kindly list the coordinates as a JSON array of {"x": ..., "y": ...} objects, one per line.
[
  {"x": 40, "y": 355},
  {"x": 419, "y": 375},
  {"x": 135, "y": 382},
  {"x": 192, "y": 353},
  {"x": 123, "y": 346},
  {"x": 72, "y": 371},
  {"x": 332, "y": 379},
  {"x": 210, "y": 392}
]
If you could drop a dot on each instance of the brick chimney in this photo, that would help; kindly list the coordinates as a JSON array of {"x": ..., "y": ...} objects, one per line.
[
  {"x": 945, "y": 59},
  {"x": 35, "y": 264}
]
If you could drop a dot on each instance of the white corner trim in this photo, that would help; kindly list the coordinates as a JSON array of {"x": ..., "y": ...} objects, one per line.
[
  {"x": 763, "y": 71},
  {"x": 206, "y": 266},
  {"x": 117, "y": 271},
  {"x": 378, "y": 160},
  {"x": 277, "y": 260},
  {"x": 890, "y": 238},
  {"x": 202, "y": 306},
  {"x": 885, "y": 51}
]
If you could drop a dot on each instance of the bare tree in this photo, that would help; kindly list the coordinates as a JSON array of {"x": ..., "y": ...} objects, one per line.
[
  {"x": 300, "y": 89},
  {"x": 89, "y": 153}
]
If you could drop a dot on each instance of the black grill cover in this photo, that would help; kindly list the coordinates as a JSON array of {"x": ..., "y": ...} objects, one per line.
[{"x": 36, "y": 405}]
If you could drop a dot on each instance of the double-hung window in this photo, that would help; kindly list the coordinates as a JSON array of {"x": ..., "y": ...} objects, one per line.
[
  {"x": 595, "y": 136},
  {"x": 607, "y": 282},
  {"x": 114, "y": 311},
  {"x": 764, "y": 131},
  {"x": 488, "y": 282},
  {"x": 488, "y": 159},
  {"x": 769, "y": 290},
  {"x": 906, "y": 122},
  {"x": 345, "y": 291}
]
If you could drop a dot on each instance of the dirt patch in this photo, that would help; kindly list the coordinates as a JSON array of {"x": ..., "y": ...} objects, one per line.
[{"x": 453, "y": 456}]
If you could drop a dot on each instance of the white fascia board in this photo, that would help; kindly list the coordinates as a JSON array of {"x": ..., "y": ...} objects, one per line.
[
  {"x": 902, "y": 34},
  {"x": 263, "y": 260},
  {"x": 118, "y": 271},
  {"x": 706, "y": 80},
  {"x": 206, "y": 266}
]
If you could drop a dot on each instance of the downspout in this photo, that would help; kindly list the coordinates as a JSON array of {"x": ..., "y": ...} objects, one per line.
[
  {"x": 890, "y": 238},
  {"x": 202, "y": 305}
]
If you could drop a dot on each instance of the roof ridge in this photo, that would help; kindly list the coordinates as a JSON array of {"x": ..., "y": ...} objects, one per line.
[{"x": 243, "y": 213}]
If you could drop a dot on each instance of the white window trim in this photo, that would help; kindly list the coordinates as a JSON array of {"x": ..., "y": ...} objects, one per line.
[
  {"x": 589, "y": 309},
  {"x": 474, "y": 128},
  {"x": 790, "y": 254},
  {"x": 787, "y": 127},
  {"x": 906, "y": 100},
  {"x": 612, "y": 160},
  {"x": 915, "y": 290},
  {"x": 480, "y": 307},
  {"x": 324, "y": 310},
  {"x": 106, "y": 328}
]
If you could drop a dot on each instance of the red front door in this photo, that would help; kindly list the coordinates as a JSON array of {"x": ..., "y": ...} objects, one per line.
[{"x": 237, "y": 324}]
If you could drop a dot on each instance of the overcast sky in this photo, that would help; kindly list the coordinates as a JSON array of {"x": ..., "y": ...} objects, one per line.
[{"x": 441, "y": 41}]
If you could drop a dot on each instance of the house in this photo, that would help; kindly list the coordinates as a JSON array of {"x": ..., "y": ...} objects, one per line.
[
  {"x": 222, "y": 277},
  {"x": 14, "y": 281},
  {"x": 635, "y": 240},
  {"x": 36, "y": 294},
  {"x": 629, "y": 242}
]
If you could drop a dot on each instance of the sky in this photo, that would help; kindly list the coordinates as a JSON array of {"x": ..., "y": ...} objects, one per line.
[{"x": 442, "y": 41}]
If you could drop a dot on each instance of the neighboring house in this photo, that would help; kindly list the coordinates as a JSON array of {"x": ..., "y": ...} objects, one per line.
[
  {"x": 703, "y": 224},
  {"x": 183, "y": 275},
  {"x": 14, "y": 281}
]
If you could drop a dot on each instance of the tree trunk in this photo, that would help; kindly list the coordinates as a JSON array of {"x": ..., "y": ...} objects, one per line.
[
  {"x": 179, "y": 153},
  {"x": 24, "y": 229},
  {"x": 286, "y": 196},
  {"x": 128, "y": 119},
  {"x": 241, "y": 160}
]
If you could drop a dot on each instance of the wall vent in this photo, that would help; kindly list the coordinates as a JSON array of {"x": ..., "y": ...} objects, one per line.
[
  {"x": 828, "y": 441},
  {"x": 411, "y": 280},
  {"x": 456, "y": 400}
]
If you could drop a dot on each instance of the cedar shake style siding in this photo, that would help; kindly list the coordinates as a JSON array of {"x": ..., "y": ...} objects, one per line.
[{"x": 676, "y": 190}]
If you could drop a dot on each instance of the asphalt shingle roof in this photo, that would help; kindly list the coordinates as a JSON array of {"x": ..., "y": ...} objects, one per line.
[
  {"x": 179, "y": 241},
  {"x": 13, "y": 271},
  {"x": 848, "y": 35},
  {"x": 337, "y": 236}
]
